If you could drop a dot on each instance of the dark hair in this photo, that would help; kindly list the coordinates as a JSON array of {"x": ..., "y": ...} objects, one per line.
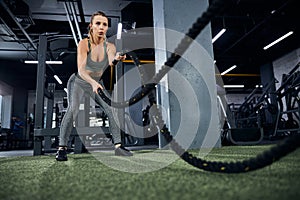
[{"x": 91, "y": 21}]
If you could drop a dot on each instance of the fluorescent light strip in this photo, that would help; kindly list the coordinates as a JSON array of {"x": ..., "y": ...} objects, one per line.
[
  {"x": 65, "y": 89},
  {"x": 53, "y": 62},
  {"x": 31, "y": 62},
  {"x": 234, "y": 86},
  {"x": 278, "y": 40},
  {"x": 218, "y": 35},
  {"x": 57, "y": 79},
  {"x": 119, "y": 31},
  {"x": 228, "y": 70}
]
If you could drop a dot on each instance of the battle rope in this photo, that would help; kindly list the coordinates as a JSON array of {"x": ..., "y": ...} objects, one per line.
[
  {"x": 215, "y": 8},
  {"x": 261, "y": 160},
  {"x": 264, "y": 159}
]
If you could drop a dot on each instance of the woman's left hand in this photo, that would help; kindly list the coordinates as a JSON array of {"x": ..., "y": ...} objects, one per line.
[{"x": 120, "y": 56}]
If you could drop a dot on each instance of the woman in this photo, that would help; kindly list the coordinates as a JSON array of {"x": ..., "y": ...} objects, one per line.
[{"x": 94, "y": 54}]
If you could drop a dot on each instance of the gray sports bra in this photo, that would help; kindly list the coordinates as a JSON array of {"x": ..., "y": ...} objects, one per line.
[{"x": 93, "y": 65}]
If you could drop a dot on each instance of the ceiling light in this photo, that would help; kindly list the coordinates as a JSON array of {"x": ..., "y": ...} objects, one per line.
[
  {"x": 66, "y": 90},
  {"x": 57, "y": 79},
  {"x": 31, "y": 62},
  {"x": 218, "y": 35},
  {"x": 278, "y": 40},
  {"x": 119, "y": 31},
  {"x": 234, "y": 86},
  {"x": 228, "y": 70},
  {"x": 52, "y": 62}
]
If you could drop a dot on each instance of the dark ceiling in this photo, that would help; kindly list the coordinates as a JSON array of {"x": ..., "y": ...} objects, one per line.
[{"x": 250, "y": 25}]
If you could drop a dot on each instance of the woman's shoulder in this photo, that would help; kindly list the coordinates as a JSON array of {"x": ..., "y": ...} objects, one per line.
[
  {"x": 111, "y": 47},
  {"x": 109, "y": 44},
  {"x": 84, "y": 41},
  {"x": 83, "y": 44}
]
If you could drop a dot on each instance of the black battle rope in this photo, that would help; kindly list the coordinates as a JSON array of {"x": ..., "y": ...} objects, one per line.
[
  {"x": 261, "y": 160},
  {"x": 264, "y": 159},
  {"x": 215, "y": 8}
]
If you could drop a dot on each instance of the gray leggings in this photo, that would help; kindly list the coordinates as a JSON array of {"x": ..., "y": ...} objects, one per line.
[{"x": 77, "y": 87}]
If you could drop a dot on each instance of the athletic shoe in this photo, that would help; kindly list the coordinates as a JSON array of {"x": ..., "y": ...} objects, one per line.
[
  {"x": 61, "y": 155},
  {"x": 122, "y": 151}
]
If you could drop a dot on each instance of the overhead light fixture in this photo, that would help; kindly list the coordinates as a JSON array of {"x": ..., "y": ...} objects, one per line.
[
  {"x": 278, "y": 40},
  {"x": 259, "y": 86},
  {"x": 119, "y": 31},
  {"x": 66, "y": 90},
  {"x": 218, "y": 35},
  {"x": 31, "y": 62},
  {"x": 228, "y": 70},
  {"x": 234, "y": 86},
  {"x": 52, "y": 62},
  {"x": 57, "y": 79}
]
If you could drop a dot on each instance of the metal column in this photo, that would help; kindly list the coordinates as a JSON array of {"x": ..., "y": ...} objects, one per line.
[
  {"x": 40, "y": 87},
  {"x": 49, "y": 114},
  {"x": 119, "y": 91}
]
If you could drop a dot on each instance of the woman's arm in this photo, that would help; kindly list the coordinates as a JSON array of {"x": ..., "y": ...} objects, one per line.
[
  {"x": 82, "y": 51},
  {"x": 113, "y": 55}
]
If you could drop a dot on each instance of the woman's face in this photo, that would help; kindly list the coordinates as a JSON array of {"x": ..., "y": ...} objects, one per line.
[{"x": 99, "y": 26}]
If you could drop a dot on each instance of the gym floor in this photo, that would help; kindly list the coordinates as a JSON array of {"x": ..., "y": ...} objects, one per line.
[{"x": 83, "y": 176}]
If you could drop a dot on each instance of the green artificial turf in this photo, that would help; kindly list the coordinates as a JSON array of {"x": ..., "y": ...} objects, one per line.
[{"x": 83, "y": 176}]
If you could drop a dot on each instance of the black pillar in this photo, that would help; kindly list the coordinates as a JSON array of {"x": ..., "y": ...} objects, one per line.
[
  {"x": 40, "y": 87},
  {"x": 268, "y": 79}
]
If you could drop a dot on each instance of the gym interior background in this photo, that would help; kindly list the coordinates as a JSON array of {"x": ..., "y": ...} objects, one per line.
[{"x": 262, "y": 88}]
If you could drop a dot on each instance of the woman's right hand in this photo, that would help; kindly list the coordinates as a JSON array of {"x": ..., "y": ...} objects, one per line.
[{"x": 96, "y": 86}]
